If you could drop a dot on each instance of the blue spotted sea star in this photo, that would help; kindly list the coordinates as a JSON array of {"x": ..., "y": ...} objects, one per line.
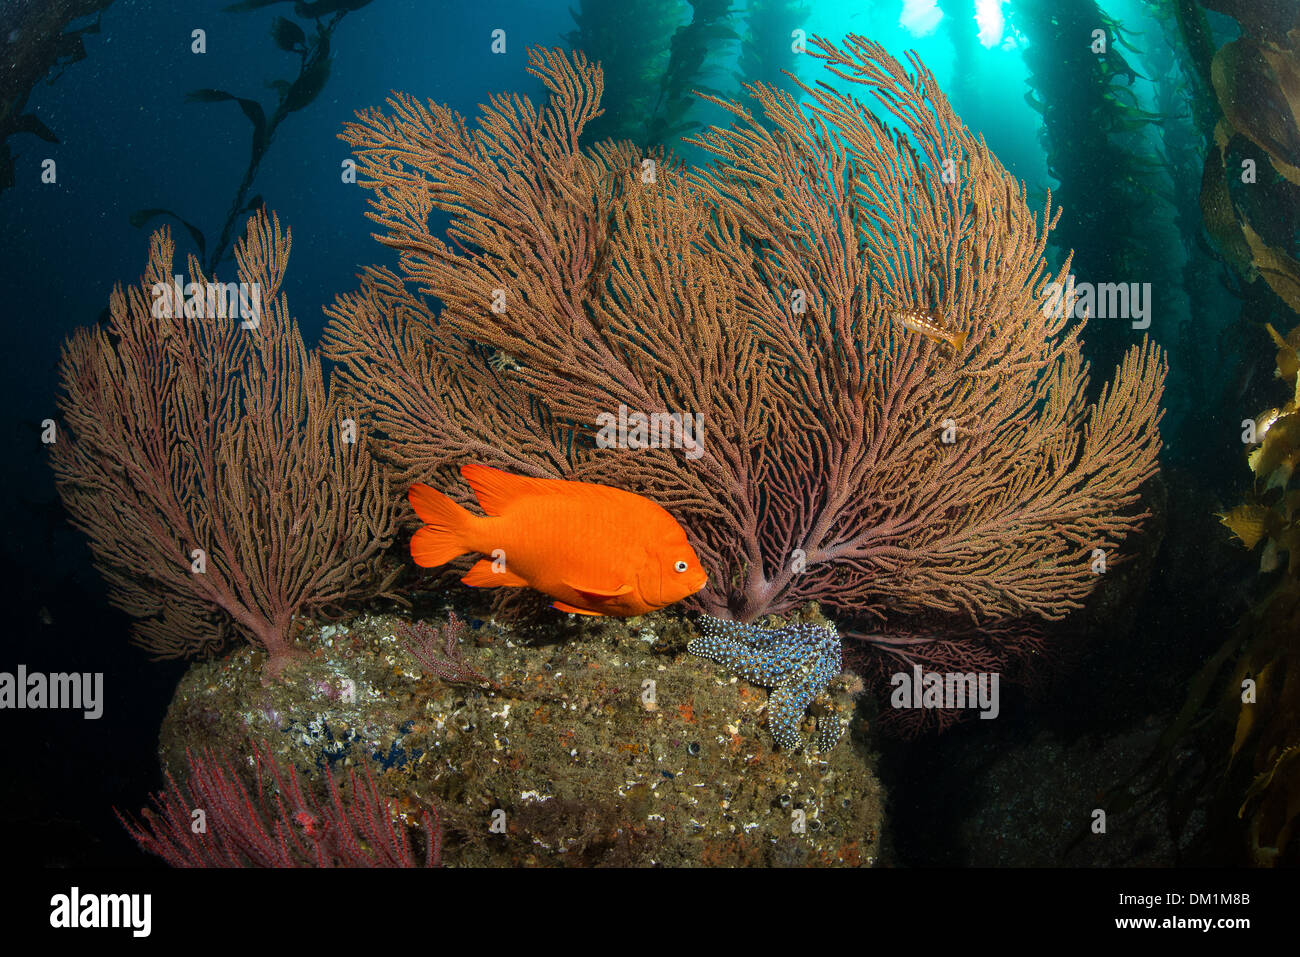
[{"x": 796, "y": 661}]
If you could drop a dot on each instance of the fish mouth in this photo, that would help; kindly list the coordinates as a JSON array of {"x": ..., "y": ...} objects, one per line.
[{"x": 689, "y": 586}]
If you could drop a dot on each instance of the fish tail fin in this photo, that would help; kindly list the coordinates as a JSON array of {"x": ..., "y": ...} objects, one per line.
[
  {"x": 960, "y": 341},
  {"x": 446, "y": 525}
]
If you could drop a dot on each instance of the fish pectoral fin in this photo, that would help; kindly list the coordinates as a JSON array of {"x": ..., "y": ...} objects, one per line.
[
  {"x": 573, "y": 609},
  {"x": 484, "y": 575},
  {"x": 599, "y": 594}
]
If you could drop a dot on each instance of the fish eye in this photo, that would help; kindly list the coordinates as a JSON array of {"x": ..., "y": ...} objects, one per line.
[{"x": 681, "y": 566}]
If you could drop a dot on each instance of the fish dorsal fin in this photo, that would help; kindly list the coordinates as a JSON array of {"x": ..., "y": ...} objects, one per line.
[
  {"x": 496, "y": 489},
  {"x": 599, "y": 594}
]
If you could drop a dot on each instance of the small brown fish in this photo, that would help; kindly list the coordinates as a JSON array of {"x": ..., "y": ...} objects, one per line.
[{"x": 927, "y": 324}]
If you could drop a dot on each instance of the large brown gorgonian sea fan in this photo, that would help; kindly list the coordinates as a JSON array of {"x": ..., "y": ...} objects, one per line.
[
  {"x": 209, "y": 466},
  {"x": 838, "y": 331}
]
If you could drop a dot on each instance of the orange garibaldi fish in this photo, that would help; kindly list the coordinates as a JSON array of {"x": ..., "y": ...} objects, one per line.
[{"x": 597, "y": 550}]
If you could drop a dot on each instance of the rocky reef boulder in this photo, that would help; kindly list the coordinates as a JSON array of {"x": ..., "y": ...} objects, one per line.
[{"x": 595, "y": 742}]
